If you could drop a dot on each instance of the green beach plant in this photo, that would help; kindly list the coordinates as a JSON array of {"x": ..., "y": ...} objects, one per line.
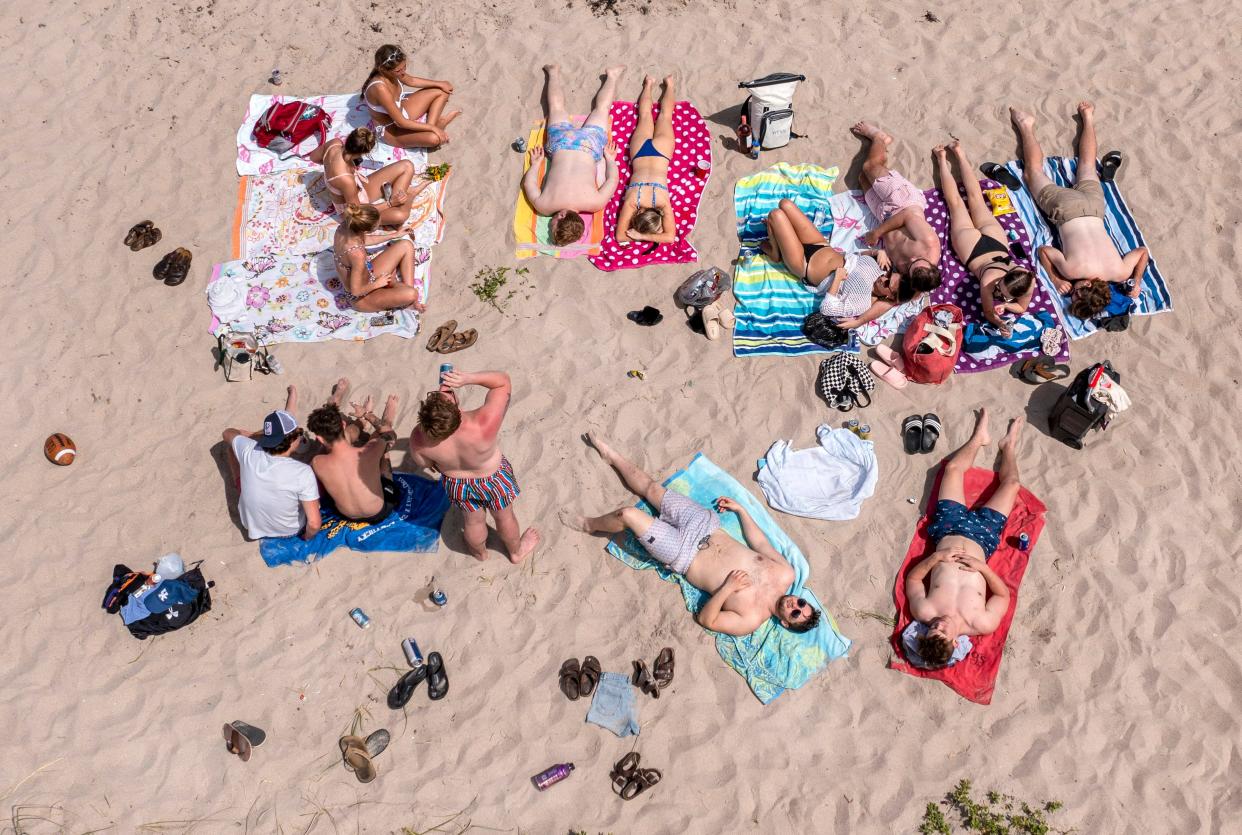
[{"x": 1000, "y": 814}]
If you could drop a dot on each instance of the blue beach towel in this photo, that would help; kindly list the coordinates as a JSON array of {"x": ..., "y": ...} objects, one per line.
[
  {"x": 1121, "y": 226},
  {"x": 772, "y": 659},
  {"x": 772, "y": 302},
  {"x": 413, "y": 526}
]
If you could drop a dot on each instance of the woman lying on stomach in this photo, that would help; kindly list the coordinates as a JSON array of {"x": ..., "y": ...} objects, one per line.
[
  {"x": 380, "y": 281},
  {"x": 347, "y": 183},
  {"x": 397, "y": 111}
]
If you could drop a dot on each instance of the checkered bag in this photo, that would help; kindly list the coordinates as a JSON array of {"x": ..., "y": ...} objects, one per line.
[{"x": 844, "y": 382}]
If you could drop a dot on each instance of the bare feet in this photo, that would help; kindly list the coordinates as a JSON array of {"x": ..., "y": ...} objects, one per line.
[
  {"x": 668, "y": 81},
  {"x": 606, "y": 452},
  {"x": 575, "y": 522},
  {"x": 869, "y": 130},
  {"x": 615, "y": 70},
  {"x": 1086, "y": 109},
  {"x": 526, "y": 545},
  {"x": 445, "y": 118},
  {"x": 1009, "y": 443},
  {"x": 981, "y": 435},
  {"x": 339, "y": 389},
  {"x": 939, "y": 152},
  {"x": 551, "y": 68},
  {"x": 1021, "y": 119},
  {"x": 648, "y": 81}
]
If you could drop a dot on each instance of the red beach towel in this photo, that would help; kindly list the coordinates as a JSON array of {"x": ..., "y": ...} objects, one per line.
[
  {"x": 974, "y": 677},
  {"x": 685, "y": 189}
]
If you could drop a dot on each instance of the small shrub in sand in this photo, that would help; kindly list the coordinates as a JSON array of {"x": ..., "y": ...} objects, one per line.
[{"x": 1002, "y": 814}]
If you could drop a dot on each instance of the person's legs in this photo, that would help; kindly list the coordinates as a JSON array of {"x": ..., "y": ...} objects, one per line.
[
  {"x": 645, "y": 128},
  {"x": 339, "y": 389},
  {"x": 637, "y": 481},
  {"x": 602, "y": 105},
  {"x": 980, "y": 211},
  {"x": 399, "y": 174},
  {"x": 518, "y": 543},
  {"x": 624, "y": 518},
  {"x": 952, "y": 482},
  {"x": 784, "y": 243},
  {"x": 962, "y": 231},
  {"x": 1007, "y": 491},
  {"x": 419, "y": 104},
  {"x": 397, "y": 259},
  {"x": 875, "y": 165},
  {"x": 474, "y": 528},
  {"x": 291, "y": 399},
  {"x": 1086, "y": 143},
  {"x": 1032, "y": 153},
  {"x": 664, "y": 139},
  {"x": 555, "y": 94}
]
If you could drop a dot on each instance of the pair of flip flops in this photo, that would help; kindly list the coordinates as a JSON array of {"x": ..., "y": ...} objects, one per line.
[
  {"x": 444, "y": 340},
  {"x": 142, "y": 235},
  {"x": 890, "y": 367},
  {"x": 432, "y": 672},
  {"x": 174, "y": 267},
  {"x": 241, "y": 739},
  {"x": 919, "y": 433},
  {"x": 358, "y": 754},
  {"x": 578, "y": 680},
  {"x": 658, "y": 677},
  {"x": 1038, "y": 370},
  {"x": 1110, "y": 164},
  {"x": 647, "y": 317},
  {"x": 629, "y": 781}
]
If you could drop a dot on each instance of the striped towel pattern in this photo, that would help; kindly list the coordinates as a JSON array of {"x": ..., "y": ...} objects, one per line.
[
  {"x": 771, "y": 302},
  {"x": 1121, "y": 227}
]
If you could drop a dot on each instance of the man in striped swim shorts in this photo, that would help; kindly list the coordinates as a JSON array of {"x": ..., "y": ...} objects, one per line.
[{"x": 464, "y": 448}]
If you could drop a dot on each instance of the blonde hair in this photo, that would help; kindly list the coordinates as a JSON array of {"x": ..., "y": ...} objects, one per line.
[
  {"x": 647, "y": 221},
  {"x": 361, "y": 218}
]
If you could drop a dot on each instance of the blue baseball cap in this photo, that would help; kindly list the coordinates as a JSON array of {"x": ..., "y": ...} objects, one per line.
[{"x": 276, "y": 428}]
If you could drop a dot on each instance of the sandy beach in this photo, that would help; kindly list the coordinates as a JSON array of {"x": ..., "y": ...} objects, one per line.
[{"x": 1121, "y": 687}]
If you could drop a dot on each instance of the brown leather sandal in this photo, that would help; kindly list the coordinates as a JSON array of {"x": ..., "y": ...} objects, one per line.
[
  {"x": 662, "y": 672},
  {"x": 442, "y": 333},
  {"x": 458, "y": 341}
]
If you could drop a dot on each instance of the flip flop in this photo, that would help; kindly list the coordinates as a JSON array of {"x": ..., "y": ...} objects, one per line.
[
  {"x": 1038, "y": 370},
  {"x": 437, "y": 678},
  {"x": 589, "y": 677},
  {"x": 1001, "y": 174},
  {"x": 357, "y": 759},
  {"x": 663, "y": 669},
  {"x": 136, "y": 234},
  {"x": 931, "y": 432},
  {"x": 727, "y": 319},
  {"x": 711, "y": 320},
  {"x": 643, "y": 779},
  {"x": 889, "y": 374},
  {"x": 912, "y": 434},
  {"x": 890, "y": 357},
  {"x": 624, "y": 771},
  {"x": 441, "y": 333},
  {"x": 571, "y": 679},
  {"x": 647, "y": 317},
  {"x": 643, "y": 680},
  {"x": 401, "y": 693},
  {"x": 241, "y": 739},
  {"x": 1050, "y": 341},
  {"x": 458, "y": 342},
  {"x": 179, "y": 267},
  {"x": 1109, "y": 166},
  {"x": 374, "y": 744}
]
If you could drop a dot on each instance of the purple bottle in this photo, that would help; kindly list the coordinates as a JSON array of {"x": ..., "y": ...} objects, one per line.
[{"x": 552, "y": 776}]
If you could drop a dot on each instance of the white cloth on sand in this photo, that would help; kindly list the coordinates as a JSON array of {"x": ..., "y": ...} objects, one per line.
[{"x": 829, "y": 481}]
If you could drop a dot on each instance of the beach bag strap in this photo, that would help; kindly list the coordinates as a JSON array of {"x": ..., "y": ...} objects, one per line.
[{"x": 941, "y": 340}]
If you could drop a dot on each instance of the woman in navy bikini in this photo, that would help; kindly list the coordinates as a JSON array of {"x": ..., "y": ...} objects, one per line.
[{"x": 646, "y": 213}]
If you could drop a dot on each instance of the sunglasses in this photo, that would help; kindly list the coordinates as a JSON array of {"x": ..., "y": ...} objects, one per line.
[{"x": 800, "y": 607}]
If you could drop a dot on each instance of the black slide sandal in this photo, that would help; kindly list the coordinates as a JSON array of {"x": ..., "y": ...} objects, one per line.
[
  {"x": 403, "y": 690},
  {"x": 931, "y": 432},
  {"x": 437, "y": 679},
  {"x": 1001, "y": 174},
  {"x": 912, "y": 434},
  {"x": 1110, "y": 165},
  {"x": 647, "y": 317}
]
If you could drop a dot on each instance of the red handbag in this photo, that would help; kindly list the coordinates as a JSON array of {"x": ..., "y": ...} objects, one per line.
[{"x": 930, "y": 350}]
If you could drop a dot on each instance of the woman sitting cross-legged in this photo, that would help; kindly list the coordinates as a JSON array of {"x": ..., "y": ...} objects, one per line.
[
  {"x": 346, "y": 183},
  {"x": 398, "y": 111},
  {"x": 979, "y": 241},
  {"x": 381, "y": 281},
  {"x": 651, "y": 151},
  {"x": 857, "y": 288}
]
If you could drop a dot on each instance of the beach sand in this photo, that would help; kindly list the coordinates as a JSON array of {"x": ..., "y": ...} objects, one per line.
[{"x": 1119, "y": 692}]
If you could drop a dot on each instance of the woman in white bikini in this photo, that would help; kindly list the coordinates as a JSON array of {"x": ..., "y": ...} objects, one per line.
[
  {"x": 383, "y": 281},
  {"x": 346, "y": 183},
  {"x": 1005, "y": 288},
  {"x": 646, "y": 213},
  {"x": 397, "y": 111}
]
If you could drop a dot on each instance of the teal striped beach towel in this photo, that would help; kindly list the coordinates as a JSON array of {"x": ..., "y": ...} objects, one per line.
[
  {"x": 771, "y": 302},
  {"x": 772, "y": 659},
  {"x": 1121, "y": 226}
]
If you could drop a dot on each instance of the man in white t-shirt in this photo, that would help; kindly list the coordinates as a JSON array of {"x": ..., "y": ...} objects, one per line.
[{"x": 279, "y": 496}]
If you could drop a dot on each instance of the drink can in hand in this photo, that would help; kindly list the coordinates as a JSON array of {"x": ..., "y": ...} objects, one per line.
[{"x": 445, "y": 368}]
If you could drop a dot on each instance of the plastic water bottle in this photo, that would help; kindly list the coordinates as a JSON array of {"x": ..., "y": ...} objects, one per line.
[
  {"x": 545, "y": 779},
  {"x": 170, "y": 566},
  {"x": 1024, "y": 542}
]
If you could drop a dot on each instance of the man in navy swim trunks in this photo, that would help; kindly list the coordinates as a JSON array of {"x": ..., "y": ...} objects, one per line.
[
  {"x": 962, "y": 596},
  {"x": 571, "y": 185}
]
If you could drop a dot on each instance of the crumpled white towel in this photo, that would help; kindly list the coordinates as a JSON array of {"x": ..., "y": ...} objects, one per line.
[{"x": 829, "y": 481}]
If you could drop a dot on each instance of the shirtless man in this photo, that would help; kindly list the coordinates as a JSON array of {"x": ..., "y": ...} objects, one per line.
[
  {"x": 464, "y": 448},
  {"x": 570, "y": 185},
  {"x": 953, "y": 592},
  {"x": 747, "y": 585},
  {"x": 1089, "y": 261},
  {"x": 909, "y": 240},
  {"x": 358, "y": 478}
]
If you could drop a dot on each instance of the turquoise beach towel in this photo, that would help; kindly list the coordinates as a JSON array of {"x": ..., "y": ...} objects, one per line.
[
  {"x": 771, "y": 302},
  {"x": 1121, "y": 226},
  {"x": 772, "y": 659}
]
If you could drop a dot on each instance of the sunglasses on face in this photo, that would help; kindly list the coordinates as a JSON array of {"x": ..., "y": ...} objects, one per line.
[{"x": 799, "y": 607}]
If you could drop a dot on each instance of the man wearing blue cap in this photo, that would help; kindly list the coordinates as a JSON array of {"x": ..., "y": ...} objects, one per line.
[{"x": 279, "y": 495}]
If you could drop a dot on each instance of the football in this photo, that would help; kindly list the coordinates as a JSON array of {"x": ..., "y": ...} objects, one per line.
[{"x": 59, "y": 449}]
